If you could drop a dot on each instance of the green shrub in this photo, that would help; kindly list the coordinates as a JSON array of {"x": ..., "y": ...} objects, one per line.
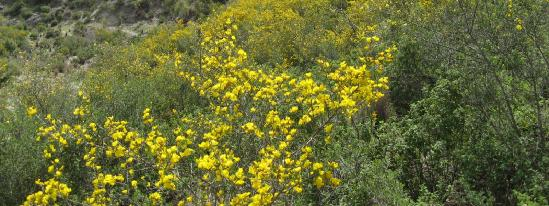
[
  {"x": 19, "y": 154},
  {"x": 15, "y": 8},
  {"x": 76, "y": 46},
  {"x": 125, "y": 83},
  {"x": 111, "y": 37},
  {"x": 410, "y": 75},
  {"x": 8, "y": 69},
  {"x": 473, "y": 132},
  {"x": 11, "y": 39},
  {"x": 44, "y": 9}
]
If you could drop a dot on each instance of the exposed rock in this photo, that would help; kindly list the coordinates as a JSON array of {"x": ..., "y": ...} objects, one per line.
[
  {"x": 33, "y": 19},
  {"x": 130, "y": 33},
  {"x": 88, "y": 64},
  {"x": 70, "y": 63}
]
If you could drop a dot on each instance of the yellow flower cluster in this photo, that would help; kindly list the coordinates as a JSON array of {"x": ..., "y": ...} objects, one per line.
[
  {"x": 519, "y": 25},
  {"x": 31, "y": 111},
  {"x": 80, "y": 111},
  {"x": 51, "y": 191},
  {"x": 273, "y": 108},
  {"x": 100, "y": 184},
  {"x": 166, "y": 157},
  {"x": 509, "y": 8},
  {"x": 256, "y": 147},
  {"x": 56, "y": 133}
]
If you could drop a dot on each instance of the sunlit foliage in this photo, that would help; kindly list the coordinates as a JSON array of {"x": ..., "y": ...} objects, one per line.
[{"x": 255, "y": 144}]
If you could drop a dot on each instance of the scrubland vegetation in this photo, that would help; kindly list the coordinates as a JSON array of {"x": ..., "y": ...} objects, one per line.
[{"x": 274, "y": 102}]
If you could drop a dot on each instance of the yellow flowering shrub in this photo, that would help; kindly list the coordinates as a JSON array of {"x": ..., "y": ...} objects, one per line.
[
  {"x": 296, "y": 32},
  {"x": 256, "y": 144},
  {"x": 274, "y": 111}
]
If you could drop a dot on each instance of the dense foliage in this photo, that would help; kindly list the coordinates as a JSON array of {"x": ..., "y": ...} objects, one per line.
[{"x": 293, "y": 102}]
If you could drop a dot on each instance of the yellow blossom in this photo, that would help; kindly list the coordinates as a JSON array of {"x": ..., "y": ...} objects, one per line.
[{"x": 31, "y": 111}]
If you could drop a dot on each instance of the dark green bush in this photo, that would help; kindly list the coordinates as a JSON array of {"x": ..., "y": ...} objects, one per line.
[
  {"x": 15, "y": 8},
  {"x": 473, "y": 77}
]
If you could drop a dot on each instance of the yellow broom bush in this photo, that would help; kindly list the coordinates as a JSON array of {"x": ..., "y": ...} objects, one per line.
[{"x": 255, "y": 145}]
